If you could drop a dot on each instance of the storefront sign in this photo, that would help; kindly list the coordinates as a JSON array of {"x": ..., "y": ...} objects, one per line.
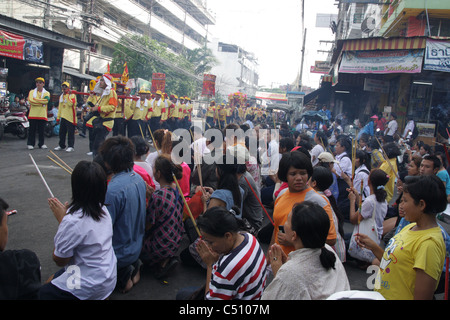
[
  {"x": 321, "y": 67},
  {"x": 437, "y": 56},
  {"x": 373, "y": 85},
  {"x": 17, "y": 47},
  {"x": 382, "y": 61}
]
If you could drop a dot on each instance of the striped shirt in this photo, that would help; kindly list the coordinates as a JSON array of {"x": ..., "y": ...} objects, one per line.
[{"x": 240, "y": 274}]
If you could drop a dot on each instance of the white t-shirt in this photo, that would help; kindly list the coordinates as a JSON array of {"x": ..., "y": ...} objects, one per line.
[
  {"x": 318, "y": 149},
  {"x": 380, "y": 212},
  {"x": 392, "y": 127},
  {"x": 91, "y": 273}
]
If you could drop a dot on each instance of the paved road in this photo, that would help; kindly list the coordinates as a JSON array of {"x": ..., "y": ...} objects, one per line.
[{"x": 34, "y": 226}]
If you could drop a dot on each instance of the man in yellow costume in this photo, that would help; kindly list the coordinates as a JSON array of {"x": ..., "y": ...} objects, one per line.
[
  {"x": 222, "y": 116},
  {"x": 67, "y": 117},
  {"x": 210, "y": 114},
  {"x": 154, "y": 111},
  {"x": 128, "y": 108},
  {"x": 119, "y": 118},
  {"x": 38, "y": 99},
  {"x": 106, "y": 106}
]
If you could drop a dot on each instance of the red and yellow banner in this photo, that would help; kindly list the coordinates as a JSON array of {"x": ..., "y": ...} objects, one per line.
[
  {"x": 158, "y": 82},
  {"x": 209, "y": 85}
]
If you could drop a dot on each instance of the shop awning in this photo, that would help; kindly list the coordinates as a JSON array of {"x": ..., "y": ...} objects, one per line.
[{"x": 384, "y": 44}]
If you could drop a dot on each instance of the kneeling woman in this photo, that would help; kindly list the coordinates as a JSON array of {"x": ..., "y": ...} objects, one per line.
[
  {"x": 236, "y": 265},
  {"x": 83, "y": 242},
  {"x": 313, "y": 270},
  {"x": 164, "y": 222}
]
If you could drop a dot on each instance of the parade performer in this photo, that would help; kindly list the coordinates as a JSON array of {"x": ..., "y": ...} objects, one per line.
[
  {"x": 210, "y": 112},
  {"x": 91, "y": 102},
  {"x": 128, "y": 109},
  {"x": 165, "y": 111},
  {"x": 67, "y": 117},
  {"x": 103, "y": 123},
  {"x": 171, "y": 112},
  {"x": 38, "y": 99},
  {"x": 154, "y": 111},
  {"x": 180, "y": 115},
  {"x": 119, "y": 118},
  {"x": 222, "y": 115},
  {"x": 138, "y": 110},
  {"x": 188, "y": 114}
]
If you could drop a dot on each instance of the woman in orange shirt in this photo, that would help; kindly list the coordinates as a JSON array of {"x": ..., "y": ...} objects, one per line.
[{"x": 295, "y": 169}]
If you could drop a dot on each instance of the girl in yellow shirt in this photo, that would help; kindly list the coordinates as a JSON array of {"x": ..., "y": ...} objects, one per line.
[{"x": 413, "y": 260}]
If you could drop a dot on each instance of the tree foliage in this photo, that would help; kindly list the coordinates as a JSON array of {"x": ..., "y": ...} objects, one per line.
[{"x": 145, "y": 56}]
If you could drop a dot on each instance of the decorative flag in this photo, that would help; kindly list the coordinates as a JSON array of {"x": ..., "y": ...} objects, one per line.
[
  {"x": 108, "y": 68},
  {"x": 158, "y": 82},
  {"x": 209, "y": 85},
  {"x": 125, "y": 75}
]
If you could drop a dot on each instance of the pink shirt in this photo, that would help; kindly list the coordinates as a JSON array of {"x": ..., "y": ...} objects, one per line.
[{"x": 185, "y": 182}]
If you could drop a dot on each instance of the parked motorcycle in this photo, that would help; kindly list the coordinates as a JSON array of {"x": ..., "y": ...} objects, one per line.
[
  {"x": 17, "y": 124},
  {"x": 50, "y": 125}
]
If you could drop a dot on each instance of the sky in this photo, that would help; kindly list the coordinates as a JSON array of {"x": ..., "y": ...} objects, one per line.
[{"x": 272, "y": 31}]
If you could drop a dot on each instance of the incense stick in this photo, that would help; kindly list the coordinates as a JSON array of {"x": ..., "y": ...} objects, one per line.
[
  {"x": 67, "y": 166},
  {"x": 42, "y": 177},
  {"x": 60, "y": 165}
]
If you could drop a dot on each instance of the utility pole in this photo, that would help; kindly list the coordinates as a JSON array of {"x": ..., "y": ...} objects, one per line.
[
  {"x": 303, "y": 59},
  {"x": 299, "y": 77}
]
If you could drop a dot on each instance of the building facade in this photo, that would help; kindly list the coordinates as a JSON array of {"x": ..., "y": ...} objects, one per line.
[
  {"x": 399, "y": 62},
  {"x": 181, "y": 24},
  {"x": 236, "y": 70}
]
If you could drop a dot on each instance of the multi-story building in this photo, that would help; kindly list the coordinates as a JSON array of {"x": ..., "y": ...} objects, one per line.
[
  {"x": 399, "y": 63},
  {"x": 236, "y": 70},
  {"x": 181, "y": 24}
]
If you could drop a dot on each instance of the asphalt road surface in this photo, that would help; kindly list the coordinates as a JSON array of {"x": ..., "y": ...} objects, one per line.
[{"x": 34, "y": 226}]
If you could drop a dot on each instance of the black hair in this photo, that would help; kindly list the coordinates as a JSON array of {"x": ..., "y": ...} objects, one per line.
[
  {"x": 118, "y": 153},
  {"x": 428, "y": 188},
  {"x": 99, "y": 159},
  {"x": 227, "y": 171},
  {"x": 392, "y": 150},
  {"x": 166, "y": 167},
  {"x": 345, "y": 142},
  {"x": 426, "y": 147},
  {"x": 378, "y": 178},
  {"x": 217, "y": 221},
  {"x": 296, "y": 159},
  {"x": 312, "y": 224},
  {"x": 323, "y": 178},
  {"x": 141, "y": 146},
  {"x": 364, "y": 158},
  {"x": 436, "y": 161},
  {"x": 89, "y": 187},
  {"x": 287, "y": 143},
  {"x": 443, "y": 158},
  {"x": 322, "y": 138},
  {"x": 3, "y": 207}
]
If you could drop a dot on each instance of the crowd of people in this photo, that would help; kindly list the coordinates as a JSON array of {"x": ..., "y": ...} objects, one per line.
[{"x": 294, "y": 193}]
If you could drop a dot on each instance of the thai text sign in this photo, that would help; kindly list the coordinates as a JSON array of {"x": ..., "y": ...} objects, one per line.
[
  {"x": 17, "y": 47},
  {"x": 437, "y": 56},
  {"x": 382, "y": 61}
]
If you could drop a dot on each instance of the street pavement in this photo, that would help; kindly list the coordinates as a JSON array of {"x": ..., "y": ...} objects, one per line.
[{"x": 34, "y": 226}]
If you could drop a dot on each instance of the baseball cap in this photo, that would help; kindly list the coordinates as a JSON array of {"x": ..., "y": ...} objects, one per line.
[{"x": 326, "y": 157}]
